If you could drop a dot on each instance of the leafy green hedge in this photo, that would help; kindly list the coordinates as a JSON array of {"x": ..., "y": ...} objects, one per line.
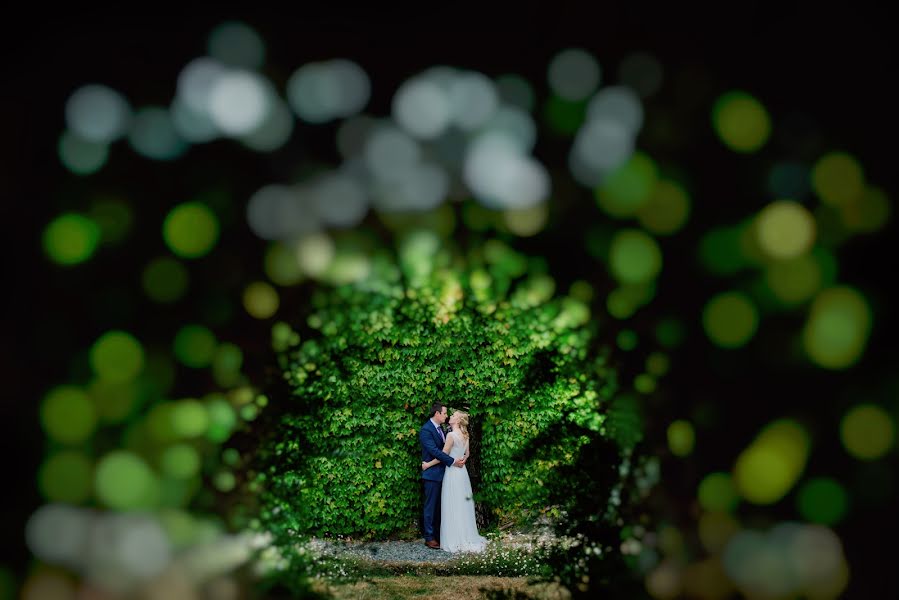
[{"x": 484, "y": 331}]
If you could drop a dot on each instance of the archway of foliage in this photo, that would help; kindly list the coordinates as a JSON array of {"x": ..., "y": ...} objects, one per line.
[{"x": 483, "y": 330}]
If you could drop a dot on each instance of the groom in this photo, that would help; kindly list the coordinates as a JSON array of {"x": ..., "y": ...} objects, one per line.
[{"x": 431, "y": 438}]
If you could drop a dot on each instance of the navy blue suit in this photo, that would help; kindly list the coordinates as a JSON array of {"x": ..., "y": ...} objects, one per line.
[{"x": 431, "y": 448}]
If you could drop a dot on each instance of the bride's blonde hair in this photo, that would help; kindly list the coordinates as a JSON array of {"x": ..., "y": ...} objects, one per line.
[{"x": 463, "y": 422}]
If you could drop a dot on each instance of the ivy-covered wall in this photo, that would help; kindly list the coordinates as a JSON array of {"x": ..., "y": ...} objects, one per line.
[{"x": 486, "y": 331}]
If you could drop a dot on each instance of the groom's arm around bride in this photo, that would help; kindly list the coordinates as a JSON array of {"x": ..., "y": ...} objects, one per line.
[{"x": 431, "y": 450}]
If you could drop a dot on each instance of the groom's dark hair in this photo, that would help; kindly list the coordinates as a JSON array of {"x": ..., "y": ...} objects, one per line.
[{"x": 435, "y": 408}]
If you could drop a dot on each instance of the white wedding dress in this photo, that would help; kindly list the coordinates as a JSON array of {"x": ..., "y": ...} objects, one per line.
[{"x": 458, "y": 528}]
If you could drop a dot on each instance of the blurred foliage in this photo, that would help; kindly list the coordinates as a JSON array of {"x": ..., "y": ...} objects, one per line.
[{"x": 148, "y": 369}]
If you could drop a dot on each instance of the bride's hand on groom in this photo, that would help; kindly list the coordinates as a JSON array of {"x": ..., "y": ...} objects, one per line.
[{"x": 424, "y": 466}]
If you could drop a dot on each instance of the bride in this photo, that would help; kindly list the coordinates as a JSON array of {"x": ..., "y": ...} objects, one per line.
[{"x": 459, "y": 531}]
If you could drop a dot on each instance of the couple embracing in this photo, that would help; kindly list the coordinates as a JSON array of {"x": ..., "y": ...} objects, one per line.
[{"x": 448, "y": 517}]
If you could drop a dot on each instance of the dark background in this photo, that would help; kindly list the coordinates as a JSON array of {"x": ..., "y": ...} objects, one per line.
[{"x": 834, "y": 65}]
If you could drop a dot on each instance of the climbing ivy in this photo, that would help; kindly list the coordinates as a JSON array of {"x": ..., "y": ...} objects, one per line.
[{"x": 483, "y": 330}]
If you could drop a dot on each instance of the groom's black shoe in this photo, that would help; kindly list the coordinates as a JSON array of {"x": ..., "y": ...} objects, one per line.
[{"x": 432, "y": 544}]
